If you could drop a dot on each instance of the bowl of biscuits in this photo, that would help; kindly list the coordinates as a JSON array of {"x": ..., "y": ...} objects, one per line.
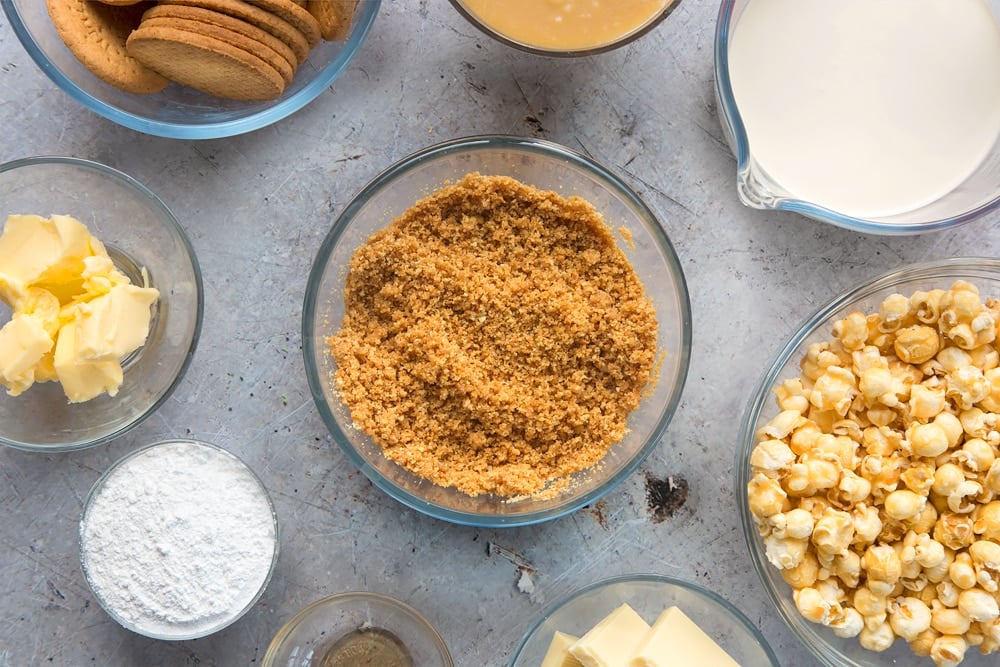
[{"x": 192, "y": 69}]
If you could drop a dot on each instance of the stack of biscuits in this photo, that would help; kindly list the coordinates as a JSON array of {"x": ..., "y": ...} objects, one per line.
[{"x": 235, "y": 49}]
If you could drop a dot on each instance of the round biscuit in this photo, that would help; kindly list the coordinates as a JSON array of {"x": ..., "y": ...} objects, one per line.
[
  {"x": 259, "y": 49},
  {"x": 333, "y": 16},
  {"x": 205, "y": 63},
  {"x": 95, "y": 33},
  {"x": 294, "y": 14},
  {"x": 224, "y": 21},
  {"x": 265, "y": 20}
]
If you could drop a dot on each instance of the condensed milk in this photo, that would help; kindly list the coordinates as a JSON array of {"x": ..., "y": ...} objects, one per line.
[{"x": 565, "y": 25}]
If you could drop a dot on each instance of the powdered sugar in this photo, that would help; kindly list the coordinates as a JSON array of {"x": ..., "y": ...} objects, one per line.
[{"x": 179, "y": 540}]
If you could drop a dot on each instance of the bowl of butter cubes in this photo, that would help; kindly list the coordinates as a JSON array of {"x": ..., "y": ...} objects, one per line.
[
  {"x": 868, "y": 471},
  {"x": 648, "y": 620}
]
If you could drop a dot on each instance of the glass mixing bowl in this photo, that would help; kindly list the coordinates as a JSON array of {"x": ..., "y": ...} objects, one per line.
[
  {"x": 827, "y": 647},
  {"x": 547, "y": 166},
  {"x": 648, "y": 595},
  {"x": 139, "y": 233},
  {"x": 305, "y": 639},
  {"x": 178, "y": 112},
  {"x": 625, "y": 38},
  {"x": 978, "y": 195},
  {"x": 253, "y": 524}
]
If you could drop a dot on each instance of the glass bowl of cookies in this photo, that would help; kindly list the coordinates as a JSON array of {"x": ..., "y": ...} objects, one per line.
[
  {"x": 496, "y": 330},
  {"x": 192, "y": 69},
  {"x": 100, "y": 303},
  {"x": 867, "y": 469}
]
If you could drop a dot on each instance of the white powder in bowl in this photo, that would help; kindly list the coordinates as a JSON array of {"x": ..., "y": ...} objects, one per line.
[{"x": 177, "y": 540}]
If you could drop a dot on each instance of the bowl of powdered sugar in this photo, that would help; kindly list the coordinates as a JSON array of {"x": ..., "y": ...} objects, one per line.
[{"x": 178, "y": 540}]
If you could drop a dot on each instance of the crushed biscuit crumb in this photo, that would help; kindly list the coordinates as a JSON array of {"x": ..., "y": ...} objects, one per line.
[{"x": 495, "y": 338}]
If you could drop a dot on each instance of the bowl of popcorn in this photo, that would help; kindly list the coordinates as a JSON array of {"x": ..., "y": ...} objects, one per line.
[
  {"x": 192, "y": 69},
  {"x": 496, "y": 330},
  {"x": 100, "y": 303},
  {"x": 868, "y": 471}
]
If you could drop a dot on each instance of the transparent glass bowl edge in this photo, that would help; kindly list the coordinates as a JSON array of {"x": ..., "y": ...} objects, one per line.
[
  {"x": 762, "y": 397},
  {"x": 755, "y": 187},
  {"x": 310, "y": 342},
  {"x": 98, "y": 486}
]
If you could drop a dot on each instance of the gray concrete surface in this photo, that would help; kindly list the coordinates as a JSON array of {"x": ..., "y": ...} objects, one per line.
[{"x": 256, "y": 207}]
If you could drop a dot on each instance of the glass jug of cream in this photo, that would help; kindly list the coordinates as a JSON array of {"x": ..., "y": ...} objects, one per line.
[{"x": 881, "y": 116}]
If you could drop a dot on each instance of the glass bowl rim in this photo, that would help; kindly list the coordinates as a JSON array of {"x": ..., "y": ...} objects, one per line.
[
  {"x": 168, "y": 217},
  {"x": 336, "y": 599},
  {"x": 98, "y": 486},
  {"x": 281, "y": 109},
  {"x": 661, "y": 579},
  {"x": 546, "y": 149},
  {"x": 760, "y": 396},
  {"x": 624, "y": 40},
  {"x": 732, "y": 119}
]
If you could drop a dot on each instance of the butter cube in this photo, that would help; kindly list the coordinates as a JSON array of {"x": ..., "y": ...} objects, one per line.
[
  {"x": 114, "y": 324},
  {"x": 23, "y": 342},
  {"x": 677, "y": 641},
  {"x": 612, "y": 642},
  {"x": 558, "y": 654},
  {"x": 83, "y": 380},
  {"x": 35, "y": 250}
]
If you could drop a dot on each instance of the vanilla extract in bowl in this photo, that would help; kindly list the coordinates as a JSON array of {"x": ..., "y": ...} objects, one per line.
[{"x": 368, "y": 647}]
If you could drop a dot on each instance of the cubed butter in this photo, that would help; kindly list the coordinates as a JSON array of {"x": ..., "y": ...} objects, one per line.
[
  {"x": 83, "y": 380},
  {"x": 23, "y": 343},
  {"x": 612, "y": 642},
  {"x": 558, "y": 654},
  {"x": 677, "y": 641},
  {"x": 75, "y": 315},
  {"x": 48, "y": 253},
  {"x": 113, "y": 324}
]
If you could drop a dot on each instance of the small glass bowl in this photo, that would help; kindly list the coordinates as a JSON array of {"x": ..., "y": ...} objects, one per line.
[
  {"x": 547, "y": 166},
  {"x": 140, "y": 234},
  {"x": 648, "y": 595},
  {"x": 178, "y": 112},
  {"x": 977, "y": 196},
  {"x": 306, "y": 637},
  {"x": 831, "y": 650},
  {"x": 588, "y": 50},
  {"x": 193, "y": 629}
]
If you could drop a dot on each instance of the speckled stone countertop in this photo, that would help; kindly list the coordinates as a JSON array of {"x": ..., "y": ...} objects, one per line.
[{"x": 256, "y": 207}]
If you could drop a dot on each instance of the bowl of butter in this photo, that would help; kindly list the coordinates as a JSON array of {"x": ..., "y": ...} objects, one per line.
[
  {"x": 643, "y": 619},
  {"x": 100, "y": 303}
]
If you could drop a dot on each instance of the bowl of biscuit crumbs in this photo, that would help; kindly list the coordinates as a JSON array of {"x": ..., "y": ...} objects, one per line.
[
  {"x": 868, "y": 471},
  {"x": 496, "y": 330},
  {"x": 192, "y": 69}
]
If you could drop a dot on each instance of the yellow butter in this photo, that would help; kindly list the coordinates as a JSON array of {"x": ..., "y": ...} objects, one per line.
[
  {"x": 558, "y": 654},
  {"x": 113, "y": 324},
  {"x": 677, "y": 641},
  {"x": 74, "y": 314},
  {"x": 83, "y": 380},
  {"x": 612, "y": 641},
  {"x": 23, "y": 343},
  {"x": 46, "y": 253}
]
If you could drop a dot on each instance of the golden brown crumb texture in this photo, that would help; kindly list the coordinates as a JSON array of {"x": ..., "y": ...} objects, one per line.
[{"x": 495, "y": 338}]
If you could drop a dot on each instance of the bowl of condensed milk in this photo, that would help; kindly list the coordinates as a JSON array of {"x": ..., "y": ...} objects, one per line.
[
  {"x": 880, "y": 117},
  {"x": 565, "y": 27}
]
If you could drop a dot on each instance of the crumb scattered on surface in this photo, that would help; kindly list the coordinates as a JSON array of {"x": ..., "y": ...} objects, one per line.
[
  {"x": 495, "y": 338},
  {"x": 664, "y": 497}
]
